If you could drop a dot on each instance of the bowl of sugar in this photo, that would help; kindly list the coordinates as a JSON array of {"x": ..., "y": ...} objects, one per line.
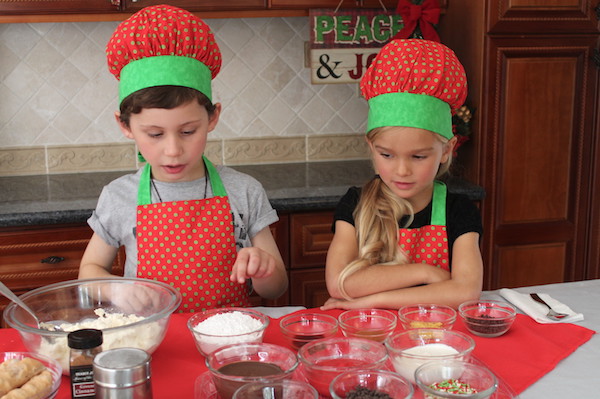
[
  {"x": 411, "y": 348},
  {"x": 215, "y": 328}
]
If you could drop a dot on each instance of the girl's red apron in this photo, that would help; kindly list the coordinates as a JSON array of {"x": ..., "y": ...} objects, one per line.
[
  {"x": 190, "y": 245},
  {"x": 429, "y": 244}
]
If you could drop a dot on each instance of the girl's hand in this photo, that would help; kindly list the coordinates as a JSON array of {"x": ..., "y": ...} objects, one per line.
[
  {"x": 252, "y": 262},
  {"x": 338, "y": 303},
  {"x": 436, "y": 274}
]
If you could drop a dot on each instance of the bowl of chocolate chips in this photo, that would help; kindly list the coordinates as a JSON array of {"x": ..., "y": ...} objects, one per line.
[
  {"x": 487, "y": 318},
  {"x": 367, "y": 384}
]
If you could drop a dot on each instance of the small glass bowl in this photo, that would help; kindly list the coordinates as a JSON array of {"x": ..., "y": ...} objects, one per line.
[
  {"x": 208, "y": 343},
  {"x": 51, "y": 365},
  {"x": 479, "y": 378},
  {"x": 410, "y": 349},
  {"x": 325, "y": 359},
  {"x": 235, "y": 365},
  {"x": 286, "y": 389},
  {"x": 299, "y": 329},
  {"x": 427, "y": 315},
  {"x": 374, "y": 324},
  {"x": 487, "y": 318},
  {"x": 380, "y": 381}
]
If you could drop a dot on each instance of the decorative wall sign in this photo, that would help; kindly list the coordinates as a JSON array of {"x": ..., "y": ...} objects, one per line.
[{"x": 344, "y": 42}]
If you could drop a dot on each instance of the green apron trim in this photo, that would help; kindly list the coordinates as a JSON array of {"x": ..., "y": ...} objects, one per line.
[
  {"x": 144, "y": 196},
  {"x": 144, "y": 189},
  {"x": 216, "y": 183},
  {"x": 438, "y": 206}
]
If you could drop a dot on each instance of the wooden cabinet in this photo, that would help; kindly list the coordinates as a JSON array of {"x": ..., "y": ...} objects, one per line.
[
  {"x": 310, "y": 236},
  {"x": 195, "y": 5},
  {"x": 306, "y": 4},
  {"x": 303, "y": 240},
  {"x": 23, "y": 7},
  {"x": 114, "y": 10},
  {"x": 534, "y": 85},
  {"x": 42, "y": 255}
]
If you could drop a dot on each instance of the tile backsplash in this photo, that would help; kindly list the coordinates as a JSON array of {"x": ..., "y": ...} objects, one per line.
[{"x": 57, "y": 99}]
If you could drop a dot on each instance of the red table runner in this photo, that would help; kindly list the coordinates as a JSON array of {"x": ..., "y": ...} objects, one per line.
[{"x": 520, "y": 357}]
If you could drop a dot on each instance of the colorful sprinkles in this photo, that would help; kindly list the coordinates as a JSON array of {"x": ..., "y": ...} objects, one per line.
[{"x": 453, "y": 386}]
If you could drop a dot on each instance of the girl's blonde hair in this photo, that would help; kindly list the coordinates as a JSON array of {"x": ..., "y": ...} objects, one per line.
[{"x": 376, "y": 221}]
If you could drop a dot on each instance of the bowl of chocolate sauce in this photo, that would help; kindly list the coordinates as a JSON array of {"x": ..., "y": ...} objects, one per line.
[{"x": 235, "y": 365}]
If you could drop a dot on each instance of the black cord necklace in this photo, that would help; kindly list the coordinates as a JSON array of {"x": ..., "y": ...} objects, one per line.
[{"x": 205, "y": 184}]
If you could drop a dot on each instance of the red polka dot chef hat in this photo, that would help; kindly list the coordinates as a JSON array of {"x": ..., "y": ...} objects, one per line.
[
  {"x": 414, "y": 83},
  {"x": 163, "y": 45}
]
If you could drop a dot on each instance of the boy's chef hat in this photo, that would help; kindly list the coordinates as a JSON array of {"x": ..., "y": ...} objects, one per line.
[
  {"x": 163, "y": 45},
  {"x": 415, "y": 83}
]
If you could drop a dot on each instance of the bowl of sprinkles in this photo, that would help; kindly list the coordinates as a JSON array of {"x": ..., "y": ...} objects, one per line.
[
  {"x": 455, "y": 379},
  {"x": 487, "y": 318}
]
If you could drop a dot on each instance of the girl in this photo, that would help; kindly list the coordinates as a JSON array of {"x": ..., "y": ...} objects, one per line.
[
  {"x": 403, "y": 238},
  {"x": 203, "y": 229}
]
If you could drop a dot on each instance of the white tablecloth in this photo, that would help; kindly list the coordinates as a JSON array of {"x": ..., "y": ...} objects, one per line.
[{"x": 576, "y": 376}]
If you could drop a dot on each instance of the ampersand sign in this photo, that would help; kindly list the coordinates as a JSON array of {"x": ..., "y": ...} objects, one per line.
[{"x": 426, "y": 14}]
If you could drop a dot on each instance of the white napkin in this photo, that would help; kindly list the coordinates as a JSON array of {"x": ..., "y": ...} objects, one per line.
[{"x": 536, "y": 310}]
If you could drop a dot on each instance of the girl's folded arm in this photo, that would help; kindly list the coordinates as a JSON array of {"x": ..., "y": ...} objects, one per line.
[{"x": 465, "y": 283}]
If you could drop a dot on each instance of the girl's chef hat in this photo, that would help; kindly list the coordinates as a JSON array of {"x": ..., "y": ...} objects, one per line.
[
  {"x": 415, "y": 83},
  {"x": 163, "y": 45}
]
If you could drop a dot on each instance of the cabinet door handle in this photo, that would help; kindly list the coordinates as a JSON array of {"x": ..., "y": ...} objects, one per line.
[{"x": 53, "y": 259}]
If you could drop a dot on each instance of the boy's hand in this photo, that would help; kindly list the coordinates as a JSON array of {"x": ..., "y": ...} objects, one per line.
[
  {"x": 134, "y": 299},
  {"x": 252, "y": 262}
]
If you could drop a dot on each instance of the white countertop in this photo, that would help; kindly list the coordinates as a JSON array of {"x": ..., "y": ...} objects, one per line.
[{"x": 575, "y": 376}]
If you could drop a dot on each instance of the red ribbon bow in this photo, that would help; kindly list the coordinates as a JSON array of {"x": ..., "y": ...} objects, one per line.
[{"x": 426, "y": 14}]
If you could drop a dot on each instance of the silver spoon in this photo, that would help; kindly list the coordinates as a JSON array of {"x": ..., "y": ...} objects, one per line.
[
  {"x": 50, "y": 326},
  {"x": 13, "y": 297},
  {"x": 552, "y": 314}
]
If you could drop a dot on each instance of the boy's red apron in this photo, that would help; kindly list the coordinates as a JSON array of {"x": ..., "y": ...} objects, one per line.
[
  {"x": 429, "y": 244},
  {"x": 190, "y": 245}
]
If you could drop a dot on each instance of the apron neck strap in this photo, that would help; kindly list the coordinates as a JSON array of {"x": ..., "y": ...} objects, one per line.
[
  {"x": 438, "y": 206},
  {"x": 144, "y": 189},
  {"x": 144, "y": 195},
  {"x": 216, "y": 184}
]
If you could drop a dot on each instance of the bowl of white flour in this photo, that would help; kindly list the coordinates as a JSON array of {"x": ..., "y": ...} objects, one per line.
[{"x": 215, "y": 328}]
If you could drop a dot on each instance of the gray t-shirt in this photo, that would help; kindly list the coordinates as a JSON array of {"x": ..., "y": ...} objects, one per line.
[{"x": 115, "y": 216}]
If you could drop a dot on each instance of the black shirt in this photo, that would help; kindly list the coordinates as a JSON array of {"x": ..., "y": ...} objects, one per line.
[{"x": 462, "y": 216}]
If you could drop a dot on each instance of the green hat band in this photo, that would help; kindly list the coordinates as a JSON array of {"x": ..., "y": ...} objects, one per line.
[
  {"x": 410, "y": 110},
  {"x": 165, "y": 70}
]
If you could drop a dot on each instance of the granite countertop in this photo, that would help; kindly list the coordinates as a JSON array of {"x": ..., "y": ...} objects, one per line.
[{"x": 294, "y": 187}]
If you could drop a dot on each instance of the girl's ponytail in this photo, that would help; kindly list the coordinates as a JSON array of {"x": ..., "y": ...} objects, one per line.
[{"x": 376, "y": 220}]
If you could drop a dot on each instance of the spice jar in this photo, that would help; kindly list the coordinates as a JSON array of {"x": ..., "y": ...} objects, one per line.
[
  {"x": 84, "y": 345},
  {"x": 122, "y": 373}
]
